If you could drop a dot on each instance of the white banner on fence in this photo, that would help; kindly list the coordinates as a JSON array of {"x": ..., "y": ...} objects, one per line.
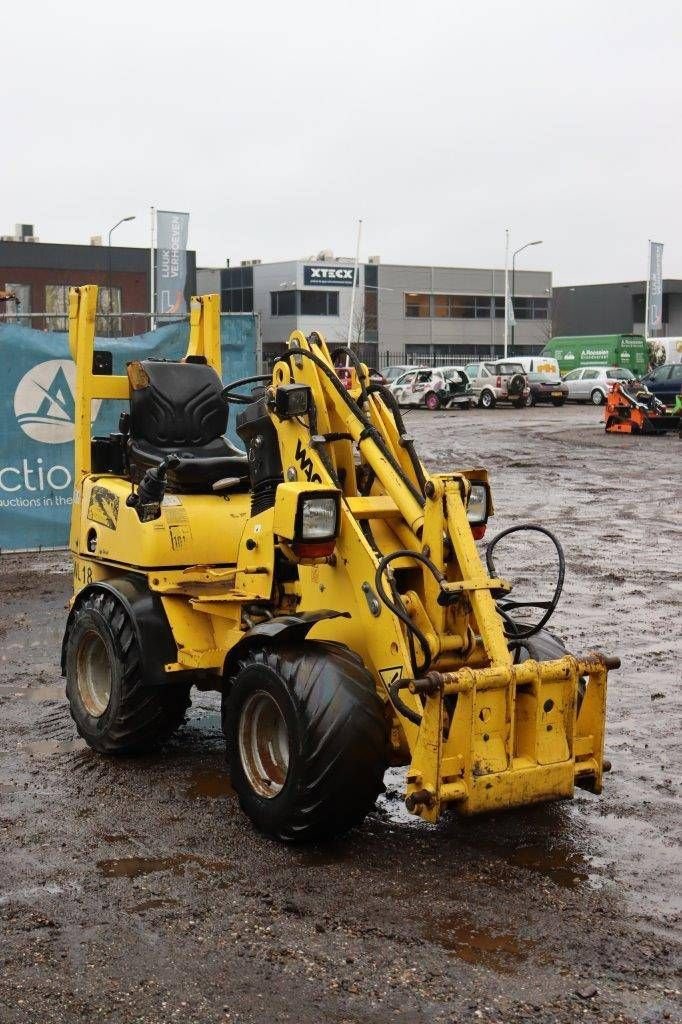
[{"x": 171, "y": 262}]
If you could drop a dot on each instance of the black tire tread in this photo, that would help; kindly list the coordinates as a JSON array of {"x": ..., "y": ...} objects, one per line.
[
  {"x": 147, "y": 715},
  {"x": 343, "y": 738}
]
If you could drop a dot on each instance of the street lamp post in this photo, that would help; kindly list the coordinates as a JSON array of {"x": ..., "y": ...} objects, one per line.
[
  {"x": 111, "y": 231},
  {"x": 513, "y": 288}
]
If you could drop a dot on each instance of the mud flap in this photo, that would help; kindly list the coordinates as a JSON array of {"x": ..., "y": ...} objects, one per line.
[{"x": 152, "y": 630}]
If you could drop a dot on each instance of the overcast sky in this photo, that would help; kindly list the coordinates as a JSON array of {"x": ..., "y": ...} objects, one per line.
[{"x": 277, "y": 125}]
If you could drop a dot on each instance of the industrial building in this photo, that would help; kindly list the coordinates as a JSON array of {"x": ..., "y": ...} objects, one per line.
[
  {"x": 402, "y": 313},
  {"x": 40, "y": 275},
  {"x": 614, "y": 308}
]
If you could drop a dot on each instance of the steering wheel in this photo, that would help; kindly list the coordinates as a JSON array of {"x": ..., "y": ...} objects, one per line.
[
  {"x": 233, "y": 399},
  {"x": 506, "y": 605}
]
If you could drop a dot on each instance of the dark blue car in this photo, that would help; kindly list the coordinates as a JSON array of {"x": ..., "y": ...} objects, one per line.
[{"x": 665, "y": 382}]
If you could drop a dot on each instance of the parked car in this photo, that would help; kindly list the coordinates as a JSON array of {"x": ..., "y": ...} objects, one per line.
[
  {"x": 539, "y": 364},
  {"x": 503, "y": 381},
  {"x": 344, "y": 375},
  {"x": 546, "y": 387},
  {"x": 591, "y": 383},
  {"x": 391, "y": 373},
  {"x": 665, "y": 382},
  {"x": 442, "y": 387}
]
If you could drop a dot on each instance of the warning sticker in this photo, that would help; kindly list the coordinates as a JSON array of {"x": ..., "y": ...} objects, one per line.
[
  {"x": 103, "y": 507},
  {"x": 179, "y": 529},
  {"x": 391, "y": 675}
]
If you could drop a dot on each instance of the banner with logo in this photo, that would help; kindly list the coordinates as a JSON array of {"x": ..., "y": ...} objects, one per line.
[
  {"x": 37, "y": 418},
  {"x": 328, "y": 276},
  {"x": 171, "y": 262},
  {"x": 655, "y": 287}
]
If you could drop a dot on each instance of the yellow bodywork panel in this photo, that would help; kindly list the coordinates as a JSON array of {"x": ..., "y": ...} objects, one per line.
[{"x": 192, "y": 528}]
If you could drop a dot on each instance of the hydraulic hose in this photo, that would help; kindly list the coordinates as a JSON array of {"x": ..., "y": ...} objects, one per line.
[
  {"x": 398, "y": 608},
  {"x": 516, "y": 632},
  {"x": 369, "y": 429},
  {"x": 389, "y": 399}
]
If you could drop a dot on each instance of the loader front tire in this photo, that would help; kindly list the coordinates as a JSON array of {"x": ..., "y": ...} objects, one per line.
[
  {"x": 306, "y": 740},
  {"x": 114, "y": 711}
]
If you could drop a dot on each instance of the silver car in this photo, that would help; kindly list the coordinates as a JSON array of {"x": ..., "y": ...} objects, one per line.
[{"x": 592, "y": 383}]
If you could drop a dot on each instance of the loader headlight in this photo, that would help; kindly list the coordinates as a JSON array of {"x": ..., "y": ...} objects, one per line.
[
  {"x": 318, "y": 518},
  {"x": 477, "y": 505}
]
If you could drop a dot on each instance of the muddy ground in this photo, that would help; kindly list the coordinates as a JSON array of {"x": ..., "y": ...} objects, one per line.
[{"x": 136, "y": 890}]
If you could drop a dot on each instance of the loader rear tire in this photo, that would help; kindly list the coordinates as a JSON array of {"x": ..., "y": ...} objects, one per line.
[
  {"x": 114, "y": 711},
  {"x": 306, "y": 740}
]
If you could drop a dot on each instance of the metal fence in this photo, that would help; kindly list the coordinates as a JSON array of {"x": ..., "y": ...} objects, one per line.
[
  {"x": 420, "y": 355},
  {"x": 107, "y": 325}
]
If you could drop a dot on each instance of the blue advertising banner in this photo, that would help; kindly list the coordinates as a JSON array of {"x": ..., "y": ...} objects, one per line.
[{"x": 37, "y": 417}]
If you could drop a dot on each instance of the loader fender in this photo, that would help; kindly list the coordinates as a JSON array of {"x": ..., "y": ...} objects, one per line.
[
  {"x": 289, "y": 628},
  {"x": 148, "y": 618}
]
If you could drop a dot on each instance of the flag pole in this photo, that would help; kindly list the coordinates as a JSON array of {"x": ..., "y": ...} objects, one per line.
[
  {"x": 152, "y": 281},
  {"x": 646, "y": 301},
  {"x": 352, "y": 293},
  {"x": 506, "y": 291}
]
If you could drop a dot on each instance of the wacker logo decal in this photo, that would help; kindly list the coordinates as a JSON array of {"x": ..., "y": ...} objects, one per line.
[
  {"x": 44, "y": 403},
  {"x": 306, "y": 464},
  {"x": 103, "y": 507}
]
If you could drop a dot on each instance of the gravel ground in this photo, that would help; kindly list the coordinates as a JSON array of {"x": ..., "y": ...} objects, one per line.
[{"x": 135, "y": 890}]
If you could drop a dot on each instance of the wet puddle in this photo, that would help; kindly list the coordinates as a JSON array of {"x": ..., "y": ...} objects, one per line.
[
  {"x": 156, "y": 904},
  {"x": 38, "y": 694},
  {"x": 478, "y": 946},
  {"x": 46, "y": 748},
  {"x": 135, "y": 867},
  {"x": 565, "y": 868},
  {"x": 541, "y": 841},
  {"x": 209, "y": 783}
]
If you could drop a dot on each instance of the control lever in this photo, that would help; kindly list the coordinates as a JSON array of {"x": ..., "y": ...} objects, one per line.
[{"x": 147, "y": 499}]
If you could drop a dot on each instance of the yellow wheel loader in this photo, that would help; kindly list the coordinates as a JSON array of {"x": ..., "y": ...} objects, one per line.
[{"x": 325, "y": 583}]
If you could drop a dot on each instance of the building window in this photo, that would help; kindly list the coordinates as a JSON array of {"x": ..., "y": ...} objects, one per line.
[
  {"x": 56, "y": 306},
  {"x": 462, "y": 307},
  {"x": 371, "y": 315},
  {"x": 283, "y": 303},
  {"x": 107, "y": 322},
  {"x": 530, "y": 308},
  {"x": 316, "y": 303},
  {"x": 108, "y": 325},
  {"x": 525, "y": 308},
  {"x": 417, "y": 304},
  {"x": 236, "y": 290},
  {"x": 13, "y": 310}
]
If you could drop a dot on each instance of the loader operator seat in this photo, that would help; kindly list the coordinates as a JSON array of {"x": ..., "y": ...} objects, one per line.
[{"x": 178, "y": 408}]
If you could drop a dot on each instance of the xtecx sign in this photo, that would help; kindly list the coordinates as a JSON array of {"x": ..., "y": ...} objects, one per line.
[{"x": 328, "y": 276}]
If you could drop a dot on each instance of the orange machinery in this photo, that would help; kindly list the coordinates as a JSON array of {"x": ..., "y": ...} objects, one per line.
[{"x": 632, "y": 409}]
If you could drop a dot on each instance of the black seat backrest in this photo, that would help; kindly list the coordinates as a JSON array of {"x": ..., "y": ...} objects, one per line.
[{"x": 175, "y": 404}]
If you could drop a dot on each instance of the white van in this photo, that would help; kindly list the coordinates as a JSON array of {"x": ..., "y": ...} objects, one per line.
[
  {"x": 666, "y": 350},
  {"x": 538, "y": 364}
]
